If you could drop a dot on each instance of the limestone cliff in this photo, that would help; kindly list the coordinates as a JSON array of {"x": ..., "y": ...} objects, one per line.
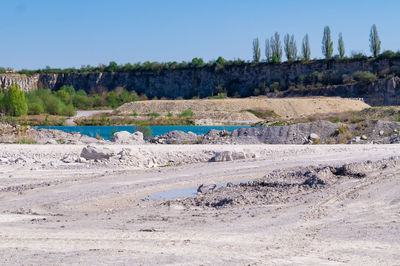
[
  {"x": 381, "y": 92},
  {"x": 200, "y": 82}
]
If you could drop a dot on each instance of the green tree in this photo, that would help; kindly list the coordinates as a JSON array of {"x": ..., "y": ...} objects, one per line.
[
  {"x": 256, "y": 51},
  {"x": 276, "y": 47},
  {"x": 112, "y": 99},
  {"x": 14, "y": 101},
  {"x": 268, "y": 52},
  {"x": 327, "y": 44},
  {"x": 305, "y": 48},
  {"x": 374, "y": 41},
  {"x": 290, "y": 47},
  {"x": 341, "y": 49},
  {"x": 63, "y": 96},
  {"x": 220, "y": 61},
  {"x": 69, "y": 89},
  {"x": 197, "y": 62}
]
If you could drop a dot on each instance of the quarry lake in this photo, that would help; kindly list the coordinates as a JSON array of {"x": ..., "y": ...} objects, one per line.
[{"x": 106, "y": 131}]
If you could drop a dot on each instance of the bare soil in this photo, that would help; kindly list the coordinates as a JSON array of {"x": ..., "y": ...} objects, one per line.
[
  {"x": 54, "y": 212},
  {"x": 212, "y": 111}
]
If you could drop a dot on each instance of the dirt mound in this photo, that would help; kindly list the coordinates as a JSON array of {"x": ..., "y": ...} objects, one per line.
[
  {"x": 246, "y": 109},
  {"x": 281, "y": 185}
]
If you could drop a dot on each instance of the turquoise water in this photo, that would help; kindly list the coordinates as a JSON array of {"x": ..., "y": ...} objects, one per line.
[{"x": 106, "y": 131}]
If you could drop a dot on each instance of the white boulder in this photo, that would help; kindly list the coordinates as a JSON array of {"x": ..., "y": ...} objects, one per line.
[{"x": 124, "y": 137}]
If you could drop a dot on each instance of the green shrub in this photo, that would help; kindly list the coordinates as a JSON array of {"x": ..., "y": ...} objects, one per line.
[
  {"x": 69, "y": 110},
  {"x": 14, "y": 101},
  {"x": 35, "y": 108},
  {"x": 63, "y": 96},
  {"x": 68, "y": 89},
  {"x": 2, "y": 109},
  {"x": 186, "y": 113},
  {"x": 112, "y": 99},
  {"x": 364, "y": 77},
  {"x": 154, "y": 114},
  {"x": 170, "y": 115},
  {"x": 274, "y": 86},
  {"x": 54, "y": 105},
  {"x": 146, "y": 130},
  {"x": 82, "y": 102}
]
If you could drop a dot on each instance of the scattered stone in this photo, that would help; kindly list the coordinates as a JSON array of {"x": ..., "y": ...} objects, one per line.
[
  {"x": 363, "y": 137},
  {"x": 51, "y": 141},
  {"x": 82, "y": 160},
  {"x": 4, "y": 160},
  {"x": 68, "y": 159},
  {"x": 96, "y": 153},
  {"x": 225, "y": 156},
  {"x": 206, "y": 188},
  {"x": 381, "y": 132},
  {"x": 176, "y": 137}
]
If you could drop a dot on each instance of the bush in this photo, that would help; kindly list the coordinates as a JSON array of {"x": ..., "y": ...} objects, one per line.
[
  {"x": 69, "y": 110},
  {"x": 14, "y": 101},
  {"x": 364, "y": 77},
  {"x": 82, "y": 102},
  {"x": 146, "y": 130},
  {"x": 1, "y": 102},
  {"x": 63, "y": 96},
  {"x": 68, "y": 89},
  {"x": 54, "y": 105},
  {"x": 186, "y": 113},
  {"x": 35, "y": 108},
  {"x": 154, "y": 114}
]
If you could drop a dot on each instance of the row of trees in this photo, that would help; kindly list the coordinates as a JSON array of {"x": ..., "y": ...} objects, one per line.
[
  {"x": 273, "y": 47},
  {"x": 64, "y": 101}
]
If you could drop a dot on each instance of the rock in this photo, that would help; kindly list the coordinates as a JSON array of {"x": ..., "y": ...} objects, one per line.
[
  {"x": 96, "y": 153},
  {"x": 228, "y": 156},
  {"x": 206, "y": 188},
  {"x": 3, "y": 160},
  {"x": 314, "y": 137},
  {"x": 51, "y": 141},
  {"x": 357, "y": 139},
  {"x": 363, "y": 137},
  {"x": 82, "y": 160},
  {"x": 177, "y": 137},
  {"x": 68, "y": 159},
  {"x": 20, "y": 160},
  {"x": 124, "y": 137},
  {"x": 381, "y": 133}
]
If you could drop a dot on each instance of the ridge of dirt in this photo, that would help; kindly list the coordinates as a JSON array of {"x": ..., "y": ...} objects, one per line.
[{"x": 235, "y": 109}]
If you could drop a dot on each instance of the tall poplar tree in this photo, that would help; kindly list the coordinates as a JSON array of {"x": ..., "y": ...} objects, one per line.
[
  {"x": 327, "y": 44},
  {"x": 374, "y": 41},
  {"x": 341, "y": 49},
  {"x": 256, "y": 51}
]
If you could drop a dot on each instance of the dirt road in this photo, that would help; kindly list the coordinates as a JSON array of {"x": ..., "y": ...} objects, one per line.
[{"x": 86, "y": 214}]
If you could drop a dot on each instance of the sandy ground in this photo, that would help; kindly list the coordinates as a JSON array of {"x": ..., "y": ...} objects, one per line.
[
  {"x": 82, "y": 213},
  {"x": 234, "y": 109}
]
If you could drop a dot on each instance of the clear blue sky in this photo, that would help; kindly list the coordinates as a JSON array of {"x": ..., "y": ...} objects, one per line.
[{"x": 67, "y": 33}]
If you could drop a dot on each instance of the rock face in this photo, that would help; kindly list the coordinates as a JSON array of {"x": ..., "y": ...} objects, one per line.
[
  {"x": 124, "y": 137},
  {"x": 294, "y": 134},
  {"x": 96, "y": 153},
  {"x": 201, "y": 82},
  {"x": 381, "y": 92}
]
